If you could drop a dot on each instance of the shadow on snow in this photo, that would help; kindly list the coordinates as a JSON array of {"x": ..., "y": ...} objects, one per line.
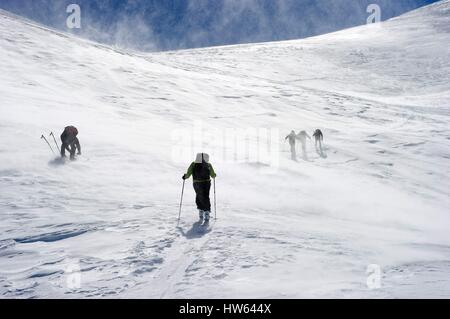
[{"x": 198, "y": 230}]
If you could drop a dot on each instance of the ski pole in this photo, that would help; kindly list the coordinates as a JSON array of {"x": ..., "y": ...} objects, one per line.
[
  {"x": 56, "y": 143},
  {"x": 181, "y": 202},
  {"x": 43, "y": 137},
  {"x": 215, "y": 205}
]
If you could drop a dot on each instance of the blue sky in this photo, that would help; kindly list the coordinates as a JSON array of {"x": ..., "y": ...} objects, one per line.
[{"x": 177, "y": 24}]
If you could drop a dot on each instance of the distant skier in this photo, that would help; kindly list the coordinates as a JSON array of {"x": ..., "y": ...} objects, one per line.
[
  {"x": 292, "y": 137},
  {"x": 202, "y": 172},
  {"x": 302, "y": 137},
  {"x": 70, "y": 142},
  {"x": 318, "y": 135}
]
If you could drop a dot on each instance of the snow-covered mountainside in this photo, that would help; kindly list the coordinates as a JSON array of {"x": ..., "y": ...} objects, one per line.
[{"x": 311, "y": 228}]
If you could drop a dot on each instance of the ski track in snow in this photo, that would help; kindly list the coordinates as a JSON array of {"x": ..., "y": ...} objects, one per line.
[{"x": 377, "y": 195}]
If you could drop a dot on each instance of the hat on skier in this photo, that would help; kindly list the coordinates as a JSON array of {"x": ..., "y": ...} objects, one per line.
[{"x": 202, "y": 157}]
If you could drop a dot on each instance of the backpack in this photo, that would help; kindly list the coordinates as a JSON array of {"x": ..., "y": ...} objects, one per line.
[
  {"x": 201, "y": 171},
  {"x": 71, "y": 130}
]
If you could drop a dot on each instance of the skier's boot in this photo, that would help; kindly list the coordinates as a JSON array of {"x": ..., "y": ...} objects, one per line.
[
  {"x": 72, "y": 155},
  {"x": 207, "y": 217},
  {"x": 200, "y": 214}
]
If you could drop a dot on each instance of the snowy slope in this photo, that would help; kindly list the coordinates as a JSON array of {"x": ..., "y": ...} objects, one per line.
[{"x": 297, "y": 229}]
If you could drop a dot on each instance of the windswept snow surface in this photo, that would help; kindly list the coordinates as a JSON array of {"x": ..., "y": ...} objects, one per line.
[{"x": 106, "y": 225}]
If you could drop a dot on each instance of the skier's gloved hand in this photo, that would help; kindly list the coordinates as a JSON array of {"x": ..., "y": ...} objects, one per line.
[{"x": 184, "y": 177}]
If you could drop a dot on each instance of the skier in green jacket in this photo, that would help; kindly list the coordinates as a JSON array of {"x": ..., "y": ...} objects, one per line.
[{"x": 202, "y": 171}]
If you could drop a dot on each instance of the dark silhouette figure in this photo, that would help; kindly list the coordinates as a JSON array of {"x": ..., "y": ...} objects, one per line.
[
  {"x": 302, "y": 136},
  {"x": 292, "y": 137},
  {"x": 318, "y": 136},
  {"x": 70, "y": 142},
  {"x": 202, "y": 172}
]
